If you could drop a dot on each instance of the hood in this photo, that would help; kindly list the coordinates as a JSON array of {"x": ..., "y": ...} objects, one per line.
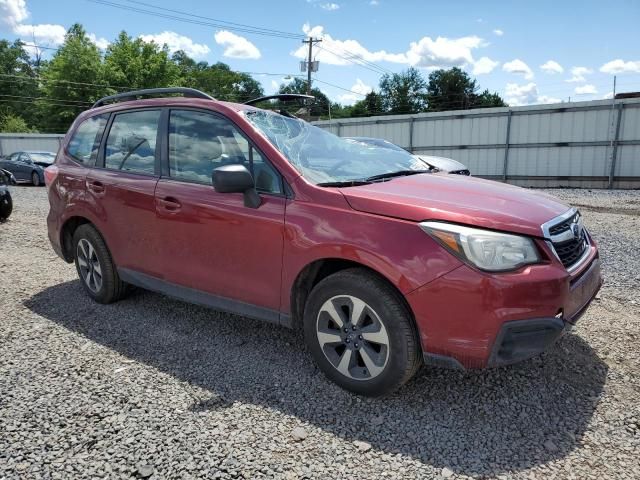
[
  {"x": 44, "y": 164},
  {"x": 443, "y": 164},
  {"x": 457, "y": 199}
]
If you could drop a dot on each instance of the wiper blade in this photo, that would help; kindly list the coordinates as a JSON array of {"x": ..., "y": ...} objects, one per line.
[
  {"x": 345, "y": 183},
  {"x": 400, "y": 173}
]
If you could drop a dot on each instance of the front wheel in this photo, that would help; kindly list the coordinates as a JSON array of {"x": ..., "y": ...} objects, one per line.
[
  {"x": 35, "y": 179},
  {"x": 360, "y": 333}
]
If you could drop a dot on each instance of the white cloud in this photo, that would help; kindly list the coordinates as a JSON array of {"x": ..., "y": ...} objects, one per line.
[
  {"x": 526, "y": 95},
  {"x": 586, "y": 90},
  {"x": 578, "y": 74},
  {"x": 620, "y": 66},
  {"x": 608, "y": 96},
  {"x": 519, "y": 67},
  {"x": 428, "y": 53},
  {"x": 236, "y": 46},
  {"x": 374, "y": 3},
  {"x": 551, "y": 66},
  {"x": 13, "y": 12},
  {"x": 101, "y": 43},
  {"x": 360, "y": 88},
  {"x": 484, "y": 65},
  {"x": 330, "y": 6},
  {"x": 442, "y": 52},
  {"x": 45, "y": 34},
  {"x": 498, "y": 32},
  {"x": 176, "y": 42},
  {"x": 275, "y": 85}
]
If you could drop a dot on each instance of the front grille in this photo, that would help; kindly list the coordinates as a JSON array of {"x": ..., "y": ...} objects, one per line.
[
  {"x": 570, "y": 251},
  {"x": 569, "y": 239},
  {"x": 564, "y": 225}
]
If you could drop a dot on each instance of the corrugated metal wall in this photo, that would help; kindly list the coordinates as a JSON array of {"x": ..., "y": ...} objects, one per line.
[
  {"x": 16, "y": 142},
  {"x": 568, "y": 144}
]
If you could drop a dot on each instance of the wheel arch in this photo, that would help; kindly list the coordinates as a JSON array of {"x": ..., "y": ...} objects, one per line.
[
  {"x": 320, "y": 269},
  {"x": 66, "y": 234}
]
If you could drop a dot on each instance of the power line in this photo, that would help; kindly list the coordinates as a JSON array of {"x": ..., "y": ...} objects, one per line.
[{"x": 194, "y": 20}]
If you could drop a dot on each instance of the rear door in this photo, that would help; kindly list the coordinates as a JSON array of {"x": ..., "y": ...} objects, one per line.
[
  {"x": 122, "y": 188},
  {"x": 210, "y": 241}
]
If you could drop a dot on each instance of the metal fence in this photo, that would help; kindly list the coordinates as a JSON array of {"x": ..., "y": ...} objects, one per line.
[
  {"x": 17, "y": 142},
  {"x": 584, "y": 144}
]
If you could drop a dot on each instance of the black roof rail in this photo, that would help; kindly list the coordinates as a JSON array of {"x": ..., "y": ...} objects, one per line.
[
  {"x": 281, "y": 96},
  {"x": 134, "y": 94}
]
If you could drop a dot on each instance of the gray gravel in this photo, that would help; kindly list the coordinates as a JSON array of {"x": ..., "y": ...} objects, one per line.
[{"x": 155, "y": 388}]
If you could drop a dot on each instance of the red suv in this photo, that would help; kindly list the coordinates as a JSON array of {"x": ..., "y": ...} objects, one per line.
[{"x": 382, "y": 264}]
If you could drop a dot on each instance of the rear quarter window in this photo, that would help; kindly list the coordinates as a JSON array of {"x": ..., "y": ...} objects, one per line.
[{"x": 85, "y": 141}]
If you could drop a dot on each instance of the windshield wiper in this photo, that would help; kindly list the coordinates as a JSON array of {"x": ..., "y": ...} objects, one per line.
[
  {"x": 345, "y": 183},
  {"x": 399, "y": 173}
]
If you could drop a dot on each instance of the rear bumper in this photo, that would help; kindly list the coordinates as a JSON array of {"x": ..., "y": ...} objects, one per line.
[{"x": 468, "y": 319}]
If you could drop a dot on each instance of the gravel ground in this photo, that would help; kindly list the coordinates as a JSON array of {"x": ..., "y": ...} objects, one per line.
[{"x": 152, "y": 387}]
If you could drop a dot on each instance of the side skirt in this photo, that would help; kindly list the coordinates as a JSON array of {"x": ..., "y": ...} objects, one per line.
[{"x": 199, "y": 297}]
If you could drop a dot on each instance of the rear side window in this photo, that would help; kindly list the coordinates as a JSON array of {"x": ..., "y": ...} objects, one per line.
[
  {"x": 84, "y": 143},
  {"x": 131, "y": 144}
]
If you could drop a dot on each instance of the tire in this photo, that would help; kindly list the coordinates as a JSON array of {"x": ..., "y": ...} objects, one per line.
[
  {"x": 383, "y": 341},
  {"x": 6, "y": 204},
  {"x": 35, "y": 179},
  {"x": 96, "y": 270}
]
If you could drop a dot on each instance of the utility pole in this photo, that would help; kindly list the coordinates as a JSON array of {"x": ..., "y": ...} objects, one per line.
[{"x": 310, "y": 64}]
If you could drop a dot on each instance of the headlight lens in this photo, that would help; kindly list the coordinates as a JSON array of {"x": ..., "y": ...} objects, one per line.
[{"x": 487, "y": 250}]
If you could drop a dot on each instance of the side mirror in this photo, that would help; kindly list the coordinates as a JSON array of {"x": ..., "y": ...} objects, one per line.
[{"x": 236, "y": 179}]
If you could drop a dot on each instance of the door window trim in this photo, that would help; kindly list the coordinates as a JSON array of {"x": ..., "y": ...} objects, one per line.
[
  {"x": 100, "y": 163},
  {"x": 165, "y": 152}
]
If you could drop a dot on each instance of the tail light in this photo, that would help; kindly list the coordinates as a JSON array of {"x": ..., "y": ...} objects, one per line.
[{"x": 50, "y": 174}]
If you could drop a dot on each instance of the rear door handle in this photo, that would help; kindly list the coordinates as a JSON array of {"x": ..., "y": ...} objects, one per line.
[
  {"x": 95, "y": 186},
  {"x": 170, "y": 204}
]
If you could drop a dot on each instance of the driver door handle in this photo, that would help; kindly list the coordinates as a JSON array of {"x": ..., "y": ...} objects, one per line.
[{"x": 170, "y": 204}]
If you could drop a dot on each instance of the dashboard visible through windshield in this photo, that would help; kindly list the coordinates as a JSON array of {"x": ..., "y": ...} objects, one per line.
[{"x": 328, "y": 160}]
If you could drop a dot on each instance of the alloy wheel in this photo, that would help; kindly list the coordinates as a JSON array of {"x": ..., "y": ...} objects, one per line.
[
  {"x": 352, "y": 337},
  {"x": 89, "y": 265}
]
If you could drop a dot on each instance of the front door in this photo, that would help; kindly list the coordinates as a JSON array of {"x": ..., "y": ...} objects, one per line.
[{"x": 210, "y": 241}]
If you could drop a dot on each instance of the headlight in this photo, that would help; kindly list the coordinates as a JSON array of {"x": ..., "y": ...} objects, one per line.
[{"x": 487, "y": 250}]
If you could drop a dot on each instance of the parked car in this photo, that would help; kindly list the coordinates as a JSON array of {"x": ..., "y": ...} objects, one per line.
[
  {"x": 438, "y": 164},
  {"x": 380, "y": 263},
  {"x": 6, "y": 202},
  {"x": 28, "y": 166}
]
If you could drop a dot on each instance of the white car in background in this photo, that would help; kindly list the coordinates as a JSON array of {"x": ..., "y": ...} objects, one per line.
[{"x": 438, "y": 164}]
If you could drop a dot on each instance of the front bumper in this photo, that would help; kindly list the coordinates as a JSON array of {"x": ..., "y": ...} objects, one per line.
[{"x": 470, "y": 319}]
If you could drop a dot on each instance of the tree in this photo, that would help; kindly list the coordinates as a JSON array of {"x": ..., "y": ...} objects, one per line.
[
  {"x": 369, "y": 106},
  {"x": 454, "y": 89},
  {"x": 321, "y": 106},
  {"x": 133, "y": 63},
  {"x": 18, "y": 85},
  {"x": 70, "y": 81},
  {"x": 11, "y": 123},
  {"x": 222, "y": 83},
  {"x": 404, "y": 92}
]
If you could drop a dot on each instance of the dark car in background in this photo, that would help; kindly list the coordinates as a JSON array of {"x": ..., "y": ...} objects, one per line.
[
  {"x": 28, "y": 167},
  {"x": 438, "y": 164}
]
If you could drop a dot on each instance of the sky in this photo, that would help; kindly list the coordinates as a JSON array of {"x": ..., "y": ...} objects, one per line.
[{"x": 528, "y": 51}]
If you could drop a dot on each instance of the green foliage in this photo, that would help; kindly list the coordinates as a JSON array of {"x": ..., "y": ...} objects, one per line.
[
  {"x": 16, "y": 80},
  {"x": 404, "y": 92},
  {"x": 371, "y": 105},
  {"x": 11, "y": 123},
  {"x": 321, "y": 106},
  {"x": 219, "y": 81},
  {"x": 454, "y": 89},
  {"x": 67, "y": 81}
]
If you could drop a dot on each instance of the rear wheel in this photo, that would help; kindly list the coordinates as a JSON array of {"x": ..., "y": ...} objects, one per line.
[
  {"x": 360, "y": 333},
  {"x": 95, "y": 267},
  {"x": 35, "y": 179}
]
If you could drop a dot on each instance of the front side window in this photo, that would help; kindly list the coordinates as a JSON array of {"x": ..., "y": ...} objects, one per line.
[
  {"x": 200, "y": 142},
  {"x": 131, "y": 144},
  {"x": 326, "y": 159},
  {"x": 84, "y": 143}
]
